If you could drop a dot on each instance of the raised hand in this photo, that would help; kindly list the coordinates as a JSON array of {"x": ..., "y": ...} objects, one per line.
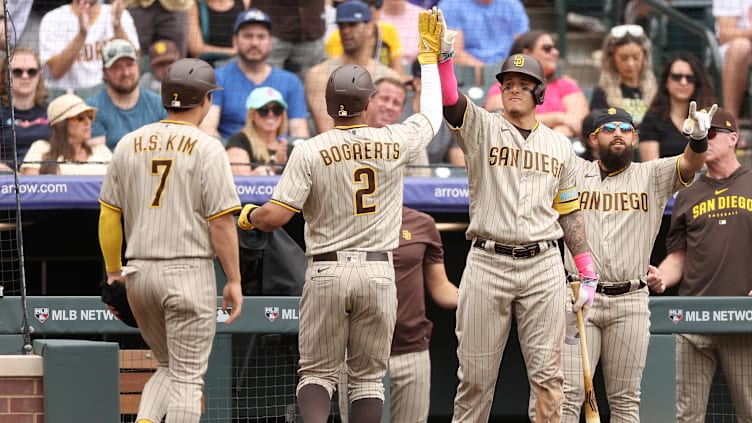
[
  {"x": 84, "y": 16},
  {"x": 117, "y": 12},
  {"x": 429, "y": 42},
  {"x": 447, "y": 39},
  {"x": 697, "y": 123}
]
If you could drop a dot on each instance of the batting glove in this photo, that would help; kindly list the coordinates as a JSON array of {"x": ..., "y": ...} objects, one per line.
[
  {"x": 697, "y": 123},
  {"x": 447, "y": 40},
  {"x": 244, "y": 221},
  {"x": 429, "y": 43},
  {"x": 585, "y": 295},
  {"x": 572, "y": 336}
]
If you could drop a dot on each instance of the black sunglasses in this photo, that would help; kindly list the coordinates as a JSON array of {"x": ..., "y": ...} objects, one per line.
[
  {"x": 276, "y": 110},
  {"x": 712, "y": 132},
  {"x": 548, "y": 47},
  {"x": 18, "y": 72},
  {"x": 677, "y": 77}
]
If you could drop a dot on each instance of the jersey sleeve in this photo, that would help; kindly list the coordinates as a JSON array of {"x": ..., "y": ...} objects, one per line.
[
  {"x": 218, "y": 185},
  {"x": 666, "y": 178},
  {"x": 109, "y": 195},
  {"x": 676, "y": 239},
  {"x": 567, "y": 199},
  {"x": 294, "y": 185}
]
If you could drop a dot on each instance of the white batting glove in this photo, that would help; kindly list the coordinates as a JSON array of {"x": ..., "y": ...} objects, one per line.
[
  {"x": 572, "y": 336},
  {"x": 697, "y": 123},
  {"x": 585, "y": 295},
  {"x": 446, "y": 51}
]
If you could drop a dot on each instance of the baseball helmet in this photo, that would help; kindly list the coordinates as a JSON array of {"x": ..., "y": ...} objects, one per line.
[
  {"x": 526, "y": 65},
  {"x": 187, "y": 82},
  {"x": 348, "y": 91}
]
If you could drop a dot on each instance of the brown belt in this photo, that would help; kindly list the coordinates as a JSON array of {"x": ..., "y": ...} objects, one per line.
[
  {"x": 370, "y": 256},
  {"x": 516, "y": 251},
  {"x": 618, "y": 288}
]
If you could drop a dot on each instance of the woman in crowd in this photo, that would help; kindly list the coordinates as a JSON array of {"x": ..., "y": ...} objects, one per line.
[
  {"x": 682, "y": 80},
  {"x": 565, "y": 105},
  {"x": 29, "y": 104},
  {"x": 261, "y": 147},
  {"x": 210, "y": 26},
  {"x": 67, "y": 152},
  {"x": 627, "y": 80}
]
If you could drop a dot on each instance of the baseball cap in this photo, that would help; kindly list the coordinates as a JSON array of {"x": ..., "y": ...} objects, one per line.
[
  {"x": 117, "y": 49},
  {"x": 163, "y": 51},
  {"x": 262, "y": 96},
  {"x": 250, "y": 16},
  {"x": 353, "y": 11},
  {"x": 612, "y": 114},
  {"x": 723, "y": 120},
  {"x": 65, "y": 107}
]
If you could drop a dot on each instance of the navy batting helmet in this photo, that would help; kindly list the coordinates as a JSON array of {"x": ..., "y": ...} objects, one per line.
[{"x": 526, "y": 65}]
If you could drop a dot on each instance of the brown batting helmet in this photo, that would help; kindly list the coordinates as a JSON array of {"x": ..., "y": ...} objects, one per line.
[
  {"x": 526, "y": 65},
  {"x": 186, "y": 83},
  {"x": 348, "y": 91}
]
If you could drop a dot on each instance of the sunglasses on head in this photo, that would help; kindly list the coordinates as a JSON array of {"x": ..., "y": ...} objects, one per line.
[
  {"x": 677, "y": 77},
  {"x": 18, "y": 72},
  {"x": 276, "y": 110},
  {"x": 90, "y": 114},
  {"x": 610, "y": 127},
  {"x": 712, "y": 132},
  {"x": 621, "y": 31},
  {"x": 548, "y": 47}
]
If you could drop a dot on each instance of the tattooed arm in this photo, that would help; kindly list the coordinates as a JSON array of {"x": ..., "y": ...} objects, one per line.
[{"x": 574, "y": 232}]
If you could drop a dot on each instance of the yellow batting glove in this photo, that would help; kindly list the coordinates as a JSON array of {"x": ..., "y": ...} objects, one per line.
[
  {"x": 244, "y": 221},
  {"x": 429, "y": 43}
]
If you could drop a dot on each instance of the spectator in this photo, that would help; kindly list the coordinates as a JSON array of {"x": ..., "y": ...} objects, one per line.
[
  {"x": 627, "y": 80},
  {"x": 297, "y": 34},
  {"x": 68, "y": 151},
  {"x": 404, "y": 16},
  {"x": 159, "y": 19},
  {"x": 161, "y": 55},
  {"x": 210, "y": 35},
  {"x": 443, "y": 149},
  {"x": 253, "y": 41},
  {"x": 734, "y": 29},
  {"x": 418, "y": 268},
  {"x": 387, "y": 106},
  {"x": 25, "y": 29},
  {"x": 71, "y": 39},
  {"x": 122, "y": 106},
  {"x": 261, "y": 146},
  {"x": 477, "y": 22},
  {"x": 29, "y": 105},
  {"x": 353, "y": 21},
  {"x": 590, "y": 148},
  {"x": 707, "y": 257},
  {"x": 384, "y": 37},
  {"x": 682, "y": 79},
  {"x": 565, "y": 105}
]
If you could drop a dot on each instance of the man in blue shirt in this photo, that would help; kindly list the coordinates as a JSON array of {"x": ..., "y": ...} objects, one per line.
[
  {"x": 122, "y": 106},
  {"x": 253, "y": 41}
]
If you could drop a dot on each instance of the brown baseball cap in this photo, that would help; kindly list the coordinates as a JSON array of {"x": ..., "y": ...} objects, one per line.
[
  {"x": 163, "y": 51},
  {"x": 723, "y": 120}
]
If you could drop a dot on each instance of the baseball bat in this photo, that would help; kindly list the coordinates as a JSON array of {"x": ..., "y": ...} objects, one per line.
[{"x": 591, "y": 404}]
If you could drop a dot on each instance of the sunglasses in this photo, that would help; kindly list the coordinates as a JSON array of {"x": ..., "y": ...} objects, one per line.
[
  {"x": 548, "y": 47},
  {"x": 621, "y": 31},
  {"x": 677, "y": 77},
  {"x": 18, "y": 72},
  {"x": 85, "y": 115},
  {"x": 276, "y": 110},
  {"x": 610, "y": 127},
  {"x": 712, "y": 132}
]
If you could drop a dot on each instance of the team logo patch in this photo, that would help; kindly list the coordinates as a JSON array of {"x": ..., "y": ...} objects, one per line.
[
  {"x": 519, "y": 61},
  {"x": 271, "y": 313},
  {"x": 676, "y": 315},
  {"x": 42, "y": 314}
]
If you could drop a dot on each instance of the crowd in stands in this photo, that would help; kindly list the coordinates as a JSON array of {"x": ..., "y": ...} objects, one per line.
[{"x": 114, "y": 53}]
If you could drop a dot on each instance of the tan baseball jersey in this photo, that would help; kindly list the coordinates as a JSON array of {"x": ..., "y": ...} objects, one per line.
[
  {"x": 169, "y": 179},
  {"x": 348, "y": 183},
  {"x": 522, "y": 169}
]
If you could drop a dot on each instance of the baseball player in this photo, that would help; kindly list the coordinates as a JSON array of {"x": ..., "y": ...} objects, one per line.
[
  {"x": 173, "y": 186},
  {"x": 347, "y": 182},
  {"x": 523, "y": 197},
  {"x": 708, "y": 252},
  {"x": 622, "y": 203}
]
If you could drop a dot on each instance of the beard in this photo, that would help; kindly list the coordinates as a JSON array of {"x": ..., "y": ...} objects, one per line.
[
  {"x": 614, "y": 161},
  {"x": 125, "y": 88}
]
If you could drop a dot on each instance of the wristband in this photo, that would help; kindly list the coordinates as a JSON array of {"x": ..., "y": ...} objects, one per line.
[
  {"x": 699, "y": 146},
  {"x": 585, "y": 266},
  {"x": 444, "y": 56}
]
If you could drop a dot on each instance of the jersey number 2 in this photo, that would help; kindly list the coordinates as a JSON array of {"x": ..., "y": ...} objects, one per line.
[
  {"x": 364, "y": 176},
  {"x": 161, "y": 168}
]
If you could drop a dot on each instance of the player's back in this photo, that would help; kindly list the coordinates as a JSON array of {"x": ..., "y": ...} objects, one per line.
[
  {"x": 356, "y": 183},
  {"x": 168, "y": 178}
]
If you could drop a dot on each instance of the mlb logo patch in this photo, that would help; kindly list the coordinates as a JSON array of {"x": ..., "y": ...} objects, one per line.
[
  {"x": 676, "y": 315},
  {"x": 42, "y": 314},
  {"x": 271, "y": 313}
]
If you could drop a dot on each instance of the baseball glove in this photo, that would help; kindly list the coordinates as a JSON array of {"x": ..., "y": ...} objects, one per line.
[{"x": 115, "y": 296}]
